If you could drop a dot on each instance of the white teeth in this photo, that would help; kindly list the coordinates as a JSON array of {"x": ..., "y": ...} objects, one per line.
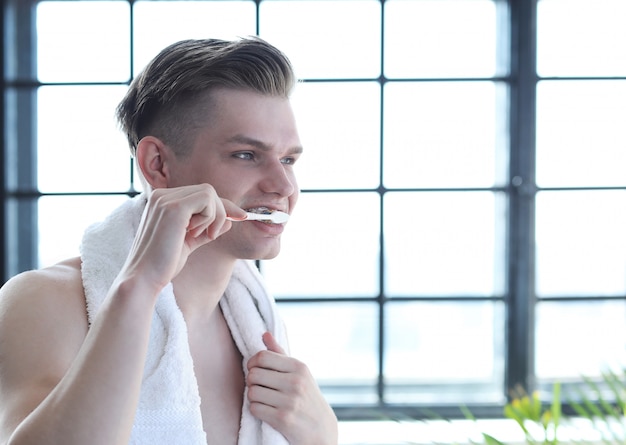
[{"x": 260, "y": 210}]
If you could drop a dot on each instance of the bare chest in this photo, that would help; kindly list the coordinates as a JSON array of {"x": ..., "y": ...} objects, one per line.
[{"x": 218, "y": 369}]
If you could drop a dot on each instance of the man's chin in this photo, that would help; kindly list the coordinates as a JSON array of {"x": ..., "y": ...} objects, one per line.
[{"x": 269, "y": 256}]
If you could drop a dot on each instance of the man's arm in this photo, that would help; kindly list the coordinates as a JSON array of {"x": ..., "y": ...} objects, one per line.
[
  {"x": 42, "y": 327},
  {"x": 63, "y": 384},
  {"x": 59, "y": 382}
]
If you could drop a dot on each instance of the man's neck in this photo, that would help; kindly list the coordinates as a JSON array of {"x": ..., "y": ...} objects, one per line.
[{"x": 201, "y": 283}]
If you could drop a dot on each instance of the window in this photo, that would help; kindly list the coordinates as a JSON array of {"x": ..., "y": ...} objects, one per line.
[
  {"x": 580, "y": 204},
  {"x": 461, "y": 226}
]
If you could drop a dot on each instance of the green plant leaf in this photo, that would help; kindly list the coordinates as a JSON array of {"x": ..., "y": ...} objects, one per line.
[
  {"x": 618, "y": 388},
  {"x": 467, "y": 413},
  {"x": 605, "y": 407},
  {"x": 555, "y": 408},
  {"x": 593, "y": 412},
  {"x": 535, "y": 407},
  {"x": 514, "y": 413},
  {"x": 490, "y": 440}
]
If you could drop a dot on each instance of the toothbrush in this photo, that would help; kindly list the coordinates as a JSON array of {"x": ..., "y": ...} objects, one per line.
[{"x": 274, "y": 217}]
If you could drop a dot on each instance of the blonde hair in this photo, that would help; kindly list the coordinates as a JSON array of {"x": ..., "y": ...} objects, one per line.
[{"x": 171, "y": 96}]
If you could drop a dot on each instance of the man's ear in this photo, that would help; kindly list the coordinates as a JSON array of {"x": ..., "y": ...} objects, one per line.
[{"x": 152, "y": 158}]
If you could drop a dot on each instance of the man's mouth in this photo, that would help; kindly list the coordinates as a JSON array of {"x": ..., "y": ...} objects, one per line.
[{"x": 262, "y": 211}]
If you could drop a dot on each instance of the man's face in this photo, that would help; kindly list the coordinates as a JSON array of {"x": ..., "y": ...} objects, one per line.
[{"x": 247, "y": 153}]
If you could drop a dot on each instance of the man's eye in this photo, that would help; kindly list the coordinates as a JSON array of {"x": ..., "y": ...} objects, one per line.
[
  {"x": 244, "y": 155},
  {"x": 288, "y": 161}
]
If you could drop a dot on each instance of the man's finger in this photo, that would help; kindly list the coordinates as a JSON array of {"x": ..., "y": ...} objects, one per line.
[{"x": 272, "y": 344}]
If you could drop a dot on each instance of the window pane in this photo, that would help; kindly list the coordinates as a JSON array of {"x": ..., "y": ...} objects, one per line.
[
  {"x": 80, "y": 148},
  {"x": 433, "y": 347},
  {"x": 581, "y": 135},
  {"x": 158, "y": 24},
  {"x": 581, "y": 38},
  {"x": 442, "y": 135},
  {"x": 440, "y": 38},
  {"x": 341, "y": 137},
  {"x": 83, "y": 41},
  {"x": 63, "y": 220},
  {"x": 579, "y": 338},
  {"x": 330, "y": 247},
  {"x": 581, "y": 243},
  {"x": 343, "y": 355},
  {"x": 326, "y": 38},
  {"x": 444, "y": 244}
]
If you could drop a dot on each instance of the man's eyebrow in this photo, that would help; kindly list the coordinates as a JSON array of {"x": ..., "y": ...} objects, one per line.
[{"x": 247, "y": 140}]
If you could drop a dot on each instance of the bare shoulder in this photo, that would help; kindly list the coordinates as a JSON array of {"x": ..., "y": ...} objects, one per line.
[
  {"x": 46, "y": 294},
  {"x": 61, "y": 274},
  {"x": 43, "y": 323},
  {"x": 42, "y": 302}
]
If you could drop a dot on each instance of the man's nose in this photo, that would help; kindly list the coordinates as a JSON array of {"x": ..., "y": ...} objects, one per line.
[{"x": 278, "y": 178}]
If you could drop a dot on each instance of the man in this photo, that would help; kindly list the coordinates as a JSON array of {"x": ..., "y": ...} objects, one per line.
[{"x": 153, "y": 335}]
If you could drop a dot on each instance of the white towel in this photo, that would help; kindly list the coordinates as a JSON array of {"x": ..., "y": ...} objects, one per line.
[{"x": 169, "y": 406}]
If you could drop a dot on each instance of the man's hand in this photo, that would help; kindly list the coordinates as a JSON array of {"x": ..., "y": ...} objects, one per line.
[
  {"x": 283, "y": 393},
  {"x": 176, "y": 222}
]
